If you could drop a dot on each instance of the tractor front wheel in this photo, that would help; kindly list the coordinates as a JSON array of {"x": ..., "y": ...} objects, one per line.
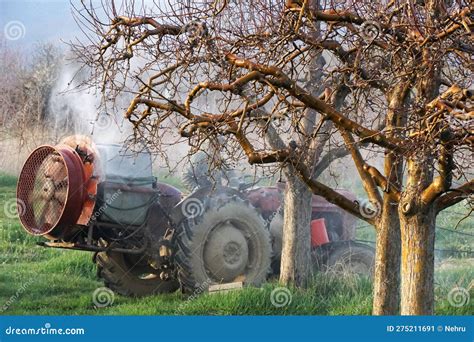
[
  {"x": 131, "y": 275},
  {"x": 345, "y": 258}
]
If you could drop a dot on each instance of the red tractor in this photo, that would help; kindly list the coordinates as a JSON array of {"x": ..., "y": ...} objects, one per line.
[{"x": 148, "y": 238}]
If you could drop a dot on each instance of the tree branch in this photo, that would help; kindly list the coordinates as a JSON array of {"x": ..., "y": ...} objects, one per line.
[
  {"x": 367, "y": 181},
  {"x": 454, "y": 196},
  {"x": 280, "y": 80}
]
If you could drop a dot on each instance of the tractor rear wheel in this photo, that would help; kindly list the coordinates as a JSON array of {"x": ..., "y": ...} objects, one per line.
[
  {"x": 131, "y": 275},
  {"x": 228, "y": 242}
]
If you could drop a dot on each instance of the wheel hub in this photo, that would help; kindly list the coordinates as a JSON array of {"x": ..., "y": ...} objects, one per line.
[
  {"x": 232, "y": 253},
  {"x": 226, "y": 252}
]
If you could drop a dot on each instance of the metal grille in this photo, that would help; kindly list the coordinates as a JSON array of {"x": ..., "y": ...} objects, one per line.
[{"x": 42, "y": 190}]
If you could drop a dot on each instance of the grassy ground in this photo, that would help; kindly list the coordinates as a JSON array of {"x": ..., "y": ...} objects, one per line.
[{"x": 36, "y": 280}]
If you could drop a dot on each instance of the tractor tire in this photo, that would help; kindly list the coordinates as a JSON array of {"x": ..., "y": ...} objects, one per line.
[
  {"x": 130, "y": 275},
  {"x": 276, "y": 233},
  {"x": 349, "y": 258},
  {"x": 228, "y": 242}
]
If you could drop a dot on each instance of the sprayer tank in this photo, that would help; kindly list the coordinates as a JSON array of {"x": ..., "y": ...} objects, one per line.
[{"x": 127, "y": 185}]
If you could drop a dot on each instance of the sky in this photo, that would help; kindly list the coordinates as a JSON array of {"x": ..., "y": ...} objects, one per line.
[
  {"x": 40, "y": 21},
  {"x": 26, "y": 22}
]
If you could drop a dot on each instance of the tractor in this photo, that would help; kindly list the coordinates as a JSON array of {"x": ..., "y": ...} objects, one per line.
[{"x": 148, "y": 237}]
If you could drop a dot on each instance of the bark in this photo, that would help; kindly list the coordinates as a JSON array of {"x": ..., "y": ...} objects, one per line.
[
  {"x": 295, "y": 265},
  {"x": 387, "y": 261},
  {"x": 388, "y": 245},
  {"x": 417, "y": 226},
  {"x": 295, "y": 268},
  {"x": 417, "y": 210},
  {"x": 418, "y": 237},
  {"x": 296, "y": 252}
]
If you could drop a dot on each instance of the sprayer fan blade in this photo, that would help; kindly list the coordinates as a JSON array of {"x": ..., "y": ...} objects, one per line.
[
  {"x": 42, "y": 214},
  {"x": 61, "y": 195},
  {"x": 36, "y": 196},
  {"x": 53, "y": 213},
  {"x": 54, "y": 168},
  {"x": 50, "y": 214},
  {"x": 38, "y": 203},
  {"x": 61, "y": 184}
]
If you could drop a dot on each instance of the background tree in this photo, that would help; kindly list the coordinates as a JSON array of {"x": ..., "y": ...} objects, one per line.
[
  {"x": 26, "y": 84},
  {"x": 397, "y": 82}
]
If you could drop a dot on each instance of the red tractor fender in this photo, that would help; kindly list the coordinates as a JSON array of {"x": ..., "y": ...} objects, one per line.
[{"x": 269, "y": 199}]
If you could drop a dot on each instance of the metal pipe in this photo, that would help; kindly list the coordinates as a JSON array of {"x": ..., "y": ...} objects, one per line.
[{"x": 90, "y": 248}]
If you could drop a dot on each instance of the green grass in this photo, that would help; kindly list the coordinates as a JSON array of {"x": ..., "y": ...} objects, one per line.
[
  {"x": 7, "y": 180},
  {"x": 41, "y": 281}
]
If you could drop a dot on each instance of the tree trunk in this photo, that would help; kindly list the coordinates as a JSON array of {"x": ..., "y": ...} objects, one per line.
[
  {"x": 387, "y": 262},
  {"x": 295, "y": 265},
  {"x": 418, "y": 236},
  {"x": 417, "y": 227},
  {"x": 418, "y": 216},
  {"x": 388, "y": 249},
  {"x": 296, "y": 252}
]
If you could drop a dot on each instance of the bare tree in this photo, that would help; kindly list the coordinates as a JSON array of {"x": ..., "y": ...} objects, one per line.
[
  {"x": 397, "y": 80},
  {"x": 27, "y": 81}
]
